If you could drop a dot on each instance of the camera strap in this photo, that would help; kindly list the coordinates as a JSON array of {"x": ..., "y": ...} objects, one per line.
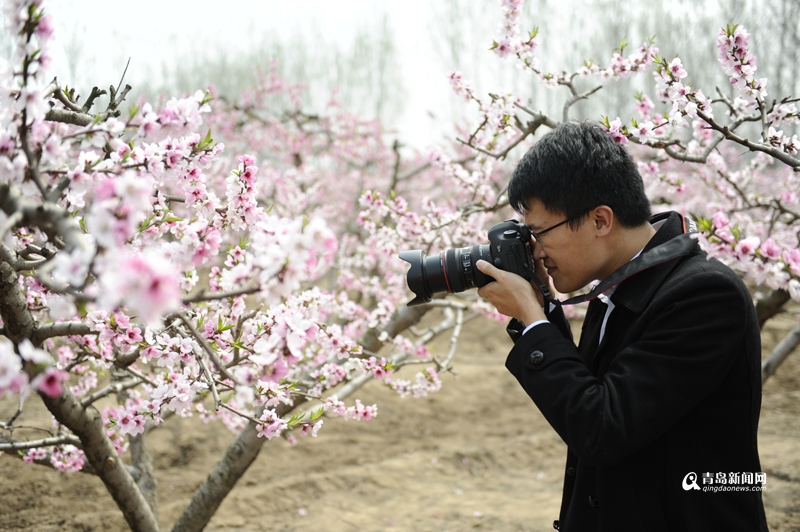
[{"x": 680, "y": 246}]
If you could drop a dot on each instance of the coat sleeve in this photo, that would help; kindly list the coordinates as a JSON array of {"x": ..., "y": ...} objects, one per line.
[{"x": 690, "y": 336}]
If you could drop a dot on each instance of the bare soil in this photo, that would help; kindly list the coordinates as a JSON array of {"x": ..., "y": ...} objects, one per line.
[{"x": 475, "y": 456}]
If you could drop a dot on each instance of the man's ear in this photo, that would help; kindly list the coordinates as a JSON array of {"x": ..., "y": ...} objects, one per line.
[{"x": 602, "y": 219}]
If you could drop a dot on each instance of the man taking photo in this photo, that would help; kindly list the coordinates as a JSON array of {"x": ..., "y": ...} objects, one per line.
[{"x": 659, "y": 402}]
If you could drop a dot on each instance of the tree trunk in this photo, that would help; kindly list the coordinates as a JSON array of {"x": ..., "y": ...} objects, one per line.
[
  {"x": 18, "y": 323},
  {"x": 785, "y": 348},
  {"x": 770, "y": 304},
  {"x": 245, "y": 448},
  {"x": 87, "y": 424}
]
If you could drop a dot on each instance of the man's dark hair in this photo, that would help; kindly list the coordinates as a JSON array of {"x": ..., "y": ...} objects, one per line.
[{"x": 576, "y": 167}]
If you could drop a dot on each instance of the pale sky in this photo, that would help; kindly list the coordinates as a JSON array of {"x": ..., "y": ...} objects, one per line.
[{"x": 155, "y": 31}]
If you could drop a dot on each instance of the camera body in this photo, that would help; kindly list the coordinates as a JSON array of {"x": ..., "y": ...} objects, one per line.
[{"x": 454, "y": 270}]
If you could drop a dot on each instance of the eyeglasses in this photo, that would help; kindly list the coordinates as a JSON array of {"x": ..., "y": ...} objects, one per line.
[{"x": 538, "y": 236}]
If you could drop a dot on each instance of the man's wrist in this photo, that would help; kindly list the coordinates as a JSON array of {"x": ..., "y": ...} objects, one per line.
[
  {"x": 534, "y": 313},
  {"x": 534, "y": 324}
]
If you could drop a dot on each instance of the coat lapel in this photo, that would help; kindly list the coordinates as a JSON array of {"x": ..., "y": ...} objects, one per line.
[{"x": 590, "y": 334}]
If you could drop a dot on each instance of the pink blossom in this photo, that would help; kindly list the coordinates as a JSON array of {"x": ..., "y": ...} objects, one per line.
[
  {"x": 503, "y": 48},
  {"x": 720, "y": 220},
  {"x": 644, "y": 105},
  {"x": 272, "y": 425},
  {"x": 12, "y": 378},
  {"x": 45, "y": 28},
  {"x": 644, "y": 132},
  {"x": 770, "y": 249},
  {"x": 614, "y": 131},
  {"x": 747, "y": 246},
  {"x": 147, "y": 284},
  {"x": 50, "y": 382}
]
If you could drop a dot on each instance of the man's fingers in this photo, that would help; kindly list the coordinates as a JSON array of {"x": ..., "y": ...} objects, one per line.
[{"x": 487, "y": 268}]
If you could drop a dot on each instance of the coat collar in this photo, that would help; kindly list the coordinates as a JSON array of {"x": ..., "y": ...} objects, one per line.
[{"x": 636, "y": 291}]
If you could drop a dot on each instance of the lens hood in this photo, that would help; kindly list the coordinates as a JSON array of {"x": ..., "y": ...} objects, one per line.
[{"x": 416, "y": 277}]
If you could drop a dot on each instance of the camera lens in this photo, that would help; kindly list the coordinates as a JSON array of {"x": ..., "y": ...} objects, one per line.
[{"x": 450, "y": 271}]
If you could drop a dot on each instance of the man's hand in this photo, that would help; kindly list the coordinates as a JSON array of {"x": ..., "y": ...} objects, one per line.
[{"x": 512, "y": 295}]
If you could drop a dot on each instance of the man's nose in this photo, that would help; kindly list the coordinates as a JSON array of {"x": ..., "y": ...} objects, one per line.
[{"x": 538, "y": 250}]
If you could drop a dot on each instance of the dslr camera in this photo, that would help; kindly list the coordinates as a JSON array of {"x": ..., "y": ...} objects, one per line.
[{"x": 454, "y": 270}]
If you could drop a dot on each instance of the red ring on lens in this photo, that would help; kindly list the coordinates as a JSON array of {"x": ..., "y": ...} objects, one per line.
[{"x": 444, "y": 270}]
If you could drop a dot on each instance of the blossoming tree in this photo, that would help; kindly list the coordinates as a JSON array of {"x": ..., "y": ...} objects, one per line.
[
  {"x": 146, "y": 270},
  {"x": 142, "y": 262}
]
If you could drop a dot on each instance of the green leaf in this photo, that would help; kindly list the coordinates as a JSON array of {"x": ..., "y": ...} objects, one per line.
[
  {"x": 622, "y": 45},
  {"x": 296, "y": 419},
  {"x": 704, "y": 224},
  {"x": 145, "y": 224},
  {"x": 206, "y": 98},
  {"x": 206, "y": 143}
]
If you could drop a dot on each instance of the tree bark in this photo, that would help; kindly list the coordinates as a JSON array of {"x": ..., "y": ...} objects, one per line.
[
  {"x": 87, "y": 424},
  {"x": 18, "y": 322},
  {"x": 143, "y": 472}
]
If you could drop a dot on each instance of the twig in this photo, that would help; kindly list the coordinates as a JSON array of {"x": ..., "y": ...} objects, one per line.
[
  {"x": 8, "y": 424},
  {"x": 752, "y": 146},
  {"x": 545, "y": 120},
  {"x": 502, "y": 154},
  {"x": 18, "y": 445},
  {"x": 238, "y": 332},
  {"x": 12, "y": 221},
  {"x": 242, "y": 414},
  {"x": 459, "y": 320},
  {"x": 202, "y": 296},
  {"x": 61, "y": 96},
  {"x": 209, "y": 379},
  {"x": 694, "y": 158},
  {"x": 762, "y": 107},
  {"x": 114, "y": 387},
  {"x": 142, "y": 376},
  {"x": 96, "y": 92},
  {"x": 33, "y": 161},
  {"x": 207, "y": 348},
  {"x": 33, "y": 250},
  {"x": 123, "y": 74},
  {"x": 575, "y": 98},
  {"x": 396, "y": 171}
]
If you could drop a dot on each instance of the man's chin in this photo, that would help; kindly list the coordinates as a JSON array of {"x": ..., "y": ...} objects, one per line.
[{"x": 564, "y": 286}]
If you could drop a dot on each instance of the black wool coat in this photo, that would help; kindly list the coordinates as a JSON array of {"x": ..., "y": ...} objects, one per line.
[{"x": 674, "y": 388}]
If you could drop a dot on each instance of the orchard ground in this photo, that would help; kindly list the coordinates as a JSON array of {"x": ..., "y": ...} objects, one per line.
[{"x": 475, "y": 456}]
